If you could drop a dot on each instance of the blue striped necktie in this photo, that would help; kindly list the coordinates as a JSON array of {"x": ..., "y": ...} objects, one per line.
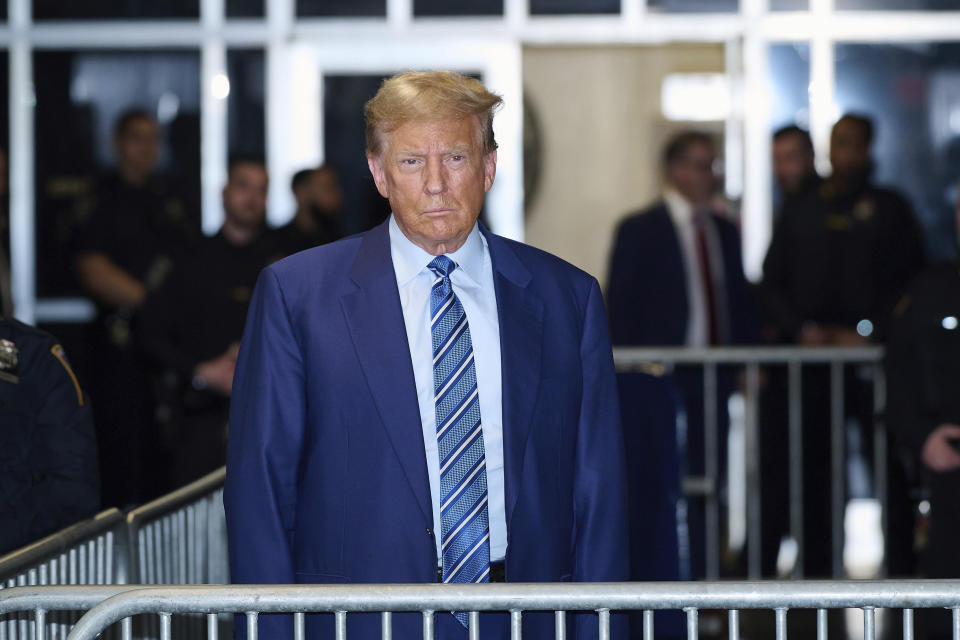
[{"x": 465, "y": 541}]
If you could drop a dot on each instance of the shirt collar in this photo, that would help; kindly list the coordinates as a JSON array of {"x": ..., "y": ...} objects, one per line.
[
  {"x": 680, "y": 209},
  {"x": 409, "y": 260}
]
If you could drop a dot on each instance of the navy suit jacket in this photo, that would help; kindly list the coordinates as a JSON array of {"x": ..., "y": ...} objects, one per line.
[
  {"x": 326, "y": 470},
  {"x": 647, "y": 284}
]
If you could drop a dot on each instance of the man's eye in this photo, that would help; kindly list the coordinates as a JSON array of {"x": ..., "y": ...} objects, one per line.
[
  {"x": 409, "y": 162},
  {"x": 456, "y": 158}
]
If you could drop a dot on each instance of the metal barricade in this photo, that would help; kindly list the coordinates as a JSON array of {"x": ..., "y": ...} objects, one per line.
[
  {"x": 180, "y": 538},
  {"x": 48, "y": 612},
  {"x": 602, "y": 598},
  {"x": 640, "y": 359},
  {"x": 83, "y": 554}
]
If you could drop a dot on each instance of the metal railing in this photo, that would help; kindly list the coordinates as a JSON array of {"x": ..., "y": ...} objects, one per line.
[
  {"x": 658, "y": 360},
  {"x": 181, "y": 537},
  {"x": 83, "y": 553},
  {"x": 602, "y": 598},
  {"x": 87, "y": 553}
]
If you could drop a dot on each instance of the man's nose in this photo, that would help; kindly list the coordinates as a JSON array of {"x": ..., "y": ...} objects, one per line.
[{"x": 435, "y": 178}]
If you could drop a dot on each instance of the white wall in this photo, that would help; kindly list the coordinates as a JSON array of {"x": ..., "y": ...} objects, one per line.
[{"x": 601, "y": 135}]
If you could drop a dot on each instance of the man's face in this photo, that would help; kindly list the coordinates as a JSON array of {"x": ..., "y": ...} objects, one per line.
[
  {"x": 245, "y": 196},
  {"x": 849, "y": 150},
  {"x": 435, "y": 175},
  {"x": 138, "y": 146},
  {"x": 792, "y": 162},
  {"x": 692, "y": 175}
]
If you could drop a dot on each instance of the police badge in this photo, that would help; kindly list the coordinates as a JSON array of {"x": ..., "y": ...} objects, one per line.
[{"x": 9, "y": 361}]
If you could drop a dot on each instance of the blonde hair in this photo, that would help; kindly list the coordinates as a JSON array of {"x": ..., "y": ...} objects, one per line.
[{"x": 427, "y": 96}]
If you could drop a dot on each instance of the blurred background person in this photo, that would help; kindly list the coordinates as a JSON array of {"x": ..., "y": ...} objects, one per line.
[
  {"x": 840, "y": 257},
  {"x": 133, "y": 232},
  {"x": 923, "y": 370},
  {"x": 676, "y": 278},
  {"x": 317, "y": 221},
  {"x": 794, "y": 172},
  {"x": 48, "y": 451},
  {"x": 192, "y": 324}
]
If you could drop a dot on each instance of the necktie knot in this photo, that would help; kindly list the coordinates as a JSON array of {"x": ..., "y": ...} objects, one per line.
[{"x": 442, "y": 266}]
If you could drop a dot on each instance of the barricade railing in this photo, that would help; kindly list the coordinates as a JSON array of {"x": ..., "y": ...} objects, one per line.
[
  {"x": 658, "y": 360},
  {"x": 86, "y": 553},
  {"x": 83, "y": 553},
  {"x": 180, "y": 538},
  {"x": 39, "y": 612},
  {"x": 516, "y": 599}
]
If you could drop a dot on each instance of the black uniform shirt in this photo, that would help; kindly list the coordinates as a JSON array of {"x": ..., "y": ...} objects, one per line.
[
  {"x": 838, "y": 258},
  {"x": 201, "y": 308},
  {"x": 923, "y": 356},
  {"x": 48, "y": 453},
  {"x": 140, "y": 228}
]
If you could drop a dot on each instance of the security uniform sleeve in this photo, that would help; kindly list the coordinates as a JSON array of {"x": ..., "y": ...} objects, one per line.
[{"x": 61, "y": 453}]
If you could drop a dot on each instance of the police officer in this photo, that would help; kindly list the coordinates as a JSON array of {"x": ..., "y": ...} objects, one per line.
[
  {"x": 840, "y": 258},
  {"x": 923, "y": 369},
  {"x": 48, "y": 454},
  {"x": 192, "y": 325},
  {"x": 319, "y": 199},
  {"x": 133, "y": 232}
]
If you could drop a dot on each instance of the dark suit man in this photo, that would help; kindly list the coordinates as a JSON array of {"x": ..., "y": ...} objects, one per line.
[
  {"x": 676, "y": 279},
  {"x": 340, "y": 456}
]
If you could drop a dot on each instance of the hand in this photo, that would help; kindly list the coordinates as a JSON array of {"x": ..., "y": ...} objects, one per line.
[
  {"x": 217, "y": 373},
  {"x": 813, "y": 335},
  {"x": 843, "y": 337},
  {"x": 938, "y": 453}
]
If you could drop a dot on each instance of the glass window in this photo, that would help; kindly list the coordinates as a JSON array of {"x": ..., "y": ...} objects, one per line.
[
  {"x": 908, "y": 5},
  {"x": 326, "y": 8},
  {"x": 554, "y": 7},
  {"x": 789, "y": 85},
  {"x": 245, "y": 8},
  {"x": 789, "y": 5},
  {"x": 462, "y": 8},
  {"x": 245, "y": 113},
  {"x": 691, "y": 6},
  {"x": 912, "y": 93},
  {"x": 790, "y": 97},
  {"x": 114, "y": 9},
  {"x": 80, "y": 96}
]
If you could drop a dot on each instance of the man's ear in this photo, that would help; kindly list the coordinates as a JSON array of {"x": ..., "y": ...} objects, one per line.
[
  {"x": 376, "y": 170},
  {"x": 489, "y": 169}
]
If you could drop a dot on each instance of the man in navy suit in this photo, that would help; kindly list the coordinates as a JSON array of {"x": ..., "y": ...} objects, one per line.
[
  {"x": 360, "y": 359},
  {"x": 676, "y": 279}
]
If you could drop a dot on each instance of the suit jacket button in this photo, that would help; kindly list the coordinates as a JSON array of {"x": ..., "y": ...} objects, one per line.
[{"x": 429, "y": 532}]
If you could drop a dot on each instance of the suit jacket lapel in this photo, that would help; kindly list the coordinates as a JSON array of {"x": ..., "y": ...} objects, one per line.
[
  {"x": 520, "y": 313},
  {"x": 375, "y": 319}
]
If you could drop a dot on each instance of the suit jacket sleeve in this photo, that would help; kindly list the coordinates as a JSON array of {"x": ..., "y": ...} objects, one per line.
[
  {"x": 600, "y": 490},
  {"x": 601, "y": 551},
  {"x": 267, "y": 417}
]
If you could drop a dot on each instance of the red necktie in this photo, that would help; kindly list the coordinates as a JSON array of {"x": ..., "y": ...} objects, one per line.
[{"x": 706, "y": 273}]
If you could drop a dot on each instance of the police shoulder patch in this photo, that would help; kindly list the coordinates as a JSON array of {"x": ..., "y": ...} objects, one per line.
[{"x": 60, "y": 355}]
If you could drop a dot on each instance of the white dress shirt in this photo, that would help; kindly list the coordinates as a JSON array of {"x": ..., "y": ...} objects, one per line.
[{"x": 472, "y": 282}]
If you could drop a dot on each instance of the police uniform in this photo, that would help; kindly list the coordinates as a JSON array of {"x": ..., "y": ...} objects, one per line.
[
  {"x": 195, "y": 316},
  {"x": 290, "y": 239},
  {"x": 923, "y": 365},
  {"x": 839, "y": 257},
  {"x": 143, "y": 230},
  {"x": 48, "y": 454}
]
